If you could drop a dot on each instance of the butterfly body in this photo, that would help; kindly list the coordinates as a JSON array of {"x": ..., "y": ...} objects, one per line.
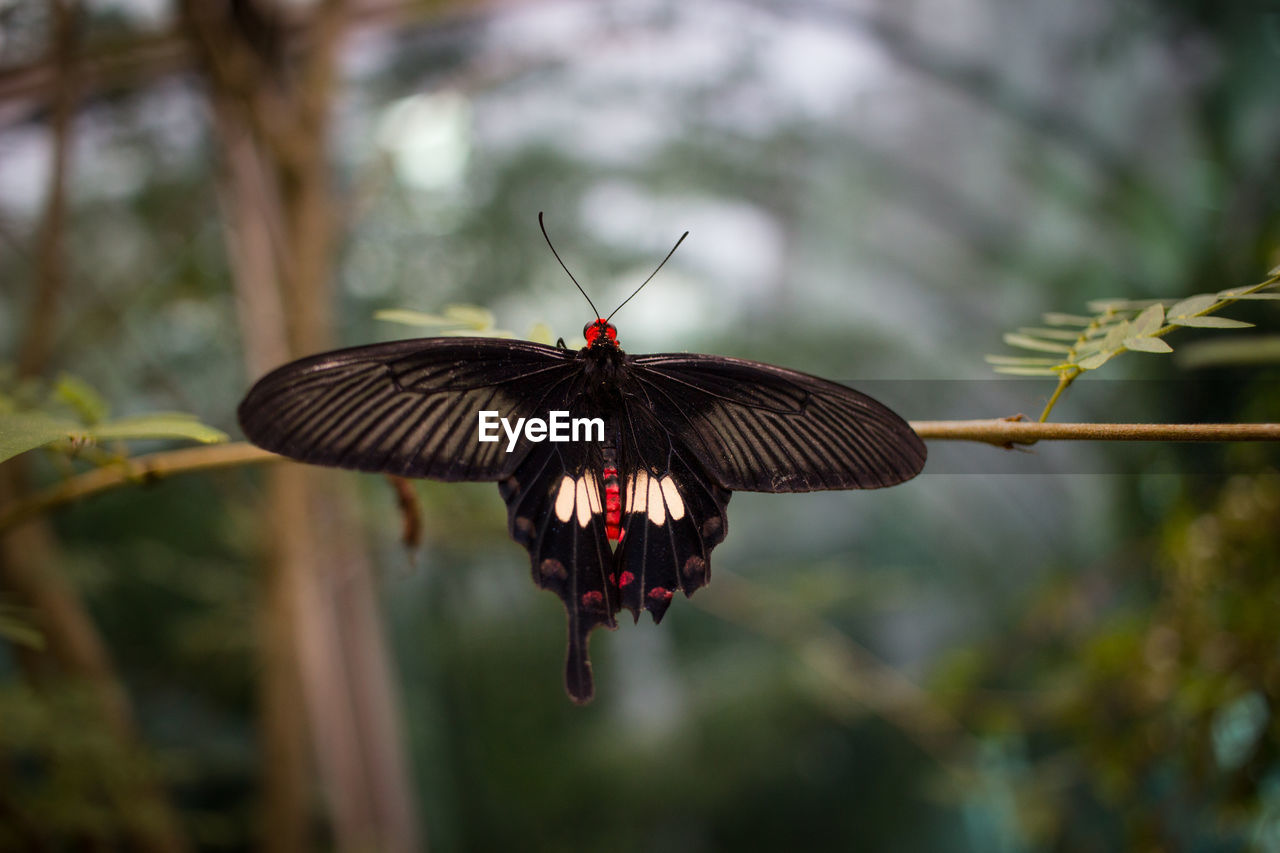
[{"x": 619, "y": 523}]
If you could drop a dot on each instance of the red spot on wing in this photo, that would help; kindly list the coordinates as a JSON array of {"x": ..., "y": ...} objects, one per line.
[
  {"x": 626, "y": 579},
  {"x": 659, "y": 593},
  {"x": 592, "y": 600}
]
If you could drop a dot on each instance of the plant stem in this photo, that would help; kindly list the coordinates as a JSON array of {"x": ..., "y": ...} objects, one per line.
[
  {"x": 1064, "y": 382},
  {"x": 140, "y": 469},
  {"x": 1000, "y": 432},
  {"x": 1004, "y": 433}
]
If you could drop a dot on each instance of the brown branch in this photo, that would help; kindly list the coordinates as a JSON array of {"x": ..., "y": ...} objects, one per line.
[
  {"x": 1005, "y": 433},
  {"x": 50, "y": 260},
  {"x": 141, "y": 59},
  {"x": 997, "y": 432},
  {"x": 140, "y": 469}
]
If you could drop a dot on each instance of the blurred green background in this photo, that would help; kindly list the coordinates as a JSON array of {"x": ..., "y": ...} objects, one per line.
[{"x": 1072, "y": 649}]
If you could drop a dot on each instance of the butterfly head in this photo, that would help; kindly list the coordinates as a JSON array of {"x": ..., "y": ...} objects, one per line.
[{"x": 601, "y": 333}]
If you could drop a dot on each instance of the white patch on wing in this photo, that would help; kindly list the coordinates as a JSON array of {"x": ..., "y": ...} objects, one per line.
[
  {"x": 657, "y": 511},
  {"x": 637, "y": 493},
  {"x": 656, "y": 498},
  {"x": 580, "y": 497},
  {"x": 675, "y": 504},
  {"x": 564, "y": 499}
]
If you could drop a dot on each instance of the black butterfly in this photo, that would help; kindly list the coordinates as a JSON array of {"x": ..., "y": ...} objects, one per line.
[{"x": 620, "y": 523}]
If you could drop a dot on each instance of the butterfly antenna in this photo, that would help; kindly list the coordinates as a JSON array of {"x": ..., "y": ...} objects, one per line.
[
  {"x": 649, "y": 279},
  {"x": 562, "y": 266}
]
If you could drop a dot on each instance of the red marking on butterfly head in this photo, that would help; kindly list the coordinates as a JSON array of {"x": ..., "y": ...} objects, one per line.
[{"x": 592, "y": 332}]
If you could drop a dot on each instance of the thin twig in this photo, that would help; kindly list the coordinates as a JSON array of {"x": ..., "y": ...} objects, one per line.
[
  {"x": 1005, "y": 433},
  {"x": 140, "y": 469},
  {"x": 999, "y": 432}
]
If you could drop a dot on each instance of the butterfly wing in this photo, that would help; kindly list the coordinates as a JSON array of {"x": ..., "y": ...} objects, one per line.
[
  {"x": 411, "y": 408},
  {"x": 673, "y": 514},
  {"x": 555, "y": 509},
  {"x": 407, "y": 407},
  {"x": 762, "y": 428}
]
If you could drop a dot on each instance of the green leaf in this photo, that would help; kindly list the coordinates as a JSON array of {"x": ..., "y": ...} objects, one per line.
[
  {"x": 29, "y": 430},
  {"x": 541, "y": 333},
  {"x": 1054, "y": 318},
  {"x": 1102, "y": 329},
  {"x": 1116, "y": 304},
  {"x": 76, "y": 393},
  {"x": 1145, "y": 344},
  {"x": 1026, "y": 342},
  {"x": 1193, "y": 305},
  {"x": 1026, "y": 371},
  {"x": 482, "y": 333},
  {"x": 474, "y": 318},
  {"x": 157, "y": 425},
  {"x": 1050, "y": 334},
  {"x": 1236, "y": 292},
  {"x": 1115, "y": 336},
  {"x": 1102, "y": 306},
  {"x": 412, "y": 318},
  {"x": 1095, "y": 361},
  {"x": 1258, "y": 296},
  {"x": 18, "y": 630},
  {"x": 1150, "y": 320},
  {"x": 1020, "y": 360},
  {"x": 1211, "y": 323},
  {"x": 470, "y": 315}
]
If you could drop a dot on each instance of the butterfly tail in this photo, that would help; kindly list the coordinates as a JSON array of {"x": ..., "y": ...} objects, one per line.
[{"x": 577, "y": 668}]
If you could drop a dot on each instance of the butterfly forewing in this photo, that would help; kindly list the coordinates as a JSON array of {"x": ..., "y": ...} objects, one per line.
[
  {"x": 408, "y": 407},
  {"x": 762, "y": 428}
]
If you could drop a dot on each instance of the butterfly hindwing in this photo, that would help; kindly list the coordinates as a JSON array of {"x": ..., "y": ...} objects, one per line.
[
  {"x": 407, "y": 407},
  {"x": 673, "y": 514},
  {"x": 555, "y": 509},
  {"x": 762, "y": 428}
]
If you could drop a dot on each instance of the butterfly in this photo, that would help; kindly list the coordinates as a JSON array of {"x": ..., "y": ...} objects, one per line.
[{"x": 627, "y": 514}]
